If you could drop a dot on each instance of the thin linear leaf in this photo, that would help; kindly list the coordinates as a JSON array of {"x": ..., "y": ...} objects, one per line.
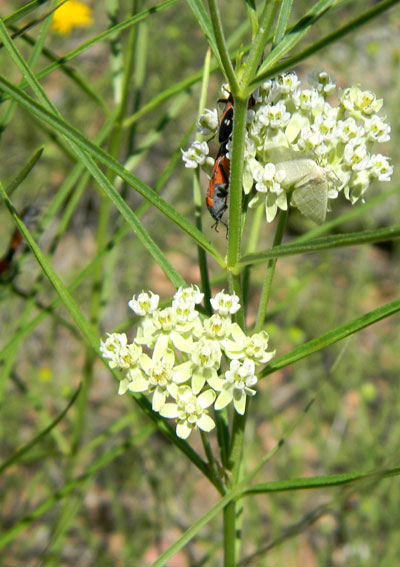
[
  {"x": 232, "y": 494},
  {"x": 326, "y": 243},
  {"x": 282, "y": 23},
  {"x": 332, "y": 337},
  {"x": 204, "y": 22},
  {"x": 318, "y": 481},
  {"x": 70, "y": 72},
  {"x": 290, "y": 62},
  {"x": 106, "y": 458},
  {"x": 92, "y": 339},
  {"x": 89, "y": 334},
  {"x": 28, "y": 446},
  {"x": 293, "y": 37},
  {"x": 102, "y": 180},
  {"x": 24, "y": 11},
  {"x": 24, "y": 171},
  {"x": 100, "y": 37},
  {"x": 98, "y": 153}
]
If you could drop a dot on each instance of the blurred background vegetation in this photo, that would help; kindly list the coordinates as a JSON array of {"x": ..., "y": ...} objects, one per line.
[{"x": 103, "y": 488}]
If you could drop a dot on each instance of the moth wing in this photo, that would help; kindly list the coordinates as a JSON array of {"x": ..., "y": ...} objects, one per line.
[{"x": 312, "y": 199}]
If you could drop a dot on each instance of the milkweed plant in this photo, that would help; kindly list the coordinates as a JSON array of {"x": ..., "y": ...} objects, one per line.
[
  {"x": 302, "y": 148},
  {"x": 271, "y": 145}
]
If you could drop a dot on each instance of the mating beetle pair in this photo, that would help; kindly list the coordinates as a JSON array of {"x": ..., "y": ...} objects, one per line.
[{"x": 217, "y": 194}]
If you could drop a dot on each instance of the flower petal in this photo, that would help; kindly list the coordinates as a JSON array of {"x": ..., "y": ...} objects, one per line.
[
  {"x": 224, "y": 398},
  {"x": 183, "y": 430},
  {"x": 169, "y": 410},
  {"x": 206, "y": 423},
  {"x": 206, "y": 398},
  {"x": 239, "y": 401}
]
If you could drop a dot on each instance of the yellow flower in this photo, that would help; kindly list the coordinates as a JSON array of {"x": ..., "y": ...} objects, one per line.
[{"x": 70, "y": 15}]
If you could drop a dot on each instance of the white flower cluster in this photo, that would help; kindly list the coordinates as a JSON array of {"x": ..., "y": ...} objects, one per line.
[
  {"x": 177, "y": 355},
  {"x": 297, "y": 142}
]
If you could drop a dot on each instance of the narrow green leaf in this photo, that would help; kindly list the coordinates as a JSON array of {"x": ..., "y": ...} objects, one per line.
[
  {"x": 326, "y": 243},
  {"x": 104, "y": 183},
  {"x": 332, "y": 337},
  {"x": 28, "y": 446},
  {"x": 269, "y": 69},
  {"x": 88, "y": 333},
  {"x": 106, "y": 458},
  {"x": 319, "y": 481},
  {"x": 292, "y": 38},
  {"x": 204, "y": 22},
  {"x": 232, "y": 494},
  {"x": 24, "y": 171},
  {"x": 283, "y": 19},
  {"x": 103, "y": 35},
  {"x": 98, "y": 153},
  {"x": 24, "y": 11}
]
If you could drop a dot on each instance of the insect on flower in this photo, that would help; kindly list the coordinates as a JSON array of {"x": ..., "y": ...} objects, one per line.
[{"x": 217, "y": 195}]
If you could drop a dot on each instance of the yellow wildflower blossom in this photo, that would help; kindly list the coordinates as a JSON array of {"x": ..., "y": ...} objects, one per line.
[{"x": 72, "y": 14}]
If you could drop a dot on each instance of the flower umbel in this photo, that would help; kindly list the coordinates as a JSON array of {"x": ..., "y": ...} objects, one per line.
[
  {"x": 177, "y": 354},
  {"x": 300, "y": 143}
]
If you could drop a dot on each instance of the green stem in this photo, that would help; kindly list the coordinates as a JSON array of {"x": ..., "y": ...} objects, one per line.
[
  {"x": 229, "y": 534},
  {"x": 222, "y": 47},
  {"x": 235, "y": 184},
  {"x": 218, "y": 482},
  {"x": 262, "y": 308},
  {"x": 260, "y": 41}
]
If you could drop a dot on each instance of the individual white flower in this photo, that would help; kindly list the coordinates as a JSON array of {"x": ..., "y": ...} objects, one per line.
[
  {"x": 380, "y": 167},
  {"x": 288, "y": 82},
  {"x": 307, "y": 99},
  {"x": 253, "y": 347},
  {"x": 217, "y": 327},
  {"x": 206, "y": 358},
  {"x": 112, "y": 347},
  {"x": 236, "y": 385},
  {"x": 191, "y": 294},
  {"x": 348, "y": 129},
  {"x": 189, "y": 411},
  {"x": 185, "y": 311},
  {"x": 356, "y": 155},
  {"x": 166, "y": 327},
  {"x": 225, "y": 304},
  {"x": 158, "y": 376},
  {"x": 376, "y": 129},
  {"x": 144, "y": 303},
  {"x": 208, "y": 122},
  {"x": 196, "y": 154},
  {"x": 357, "y": 101}
]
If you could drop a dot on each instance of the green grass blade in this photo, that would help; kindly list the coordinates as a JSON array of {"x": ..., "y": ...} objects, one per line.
[
  {"x": 106, "y": 458},
  {"x": 292, "y": 38},
  {"x": 72, "y": 73},
  {"x": 89, "y": 334},
  {"x": 104, "y": 35},
  {"x": 24, "y": 11},
  {"x": 282, "y": 23},
  {"x": 103, "y": 157},
  {"x": 332, "y": 336},
  {"x": 102, "y": 180},
  {"x": 228, "y": 497},
  {"x": 326, "y": 243},
  {"x": 203, "y": 19},
  {"x": 269, "y": 69},
  {"x": 24, "y": 171},
  {"x": 28, "y": 446},
  {"x": 326, "y": 481}
]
